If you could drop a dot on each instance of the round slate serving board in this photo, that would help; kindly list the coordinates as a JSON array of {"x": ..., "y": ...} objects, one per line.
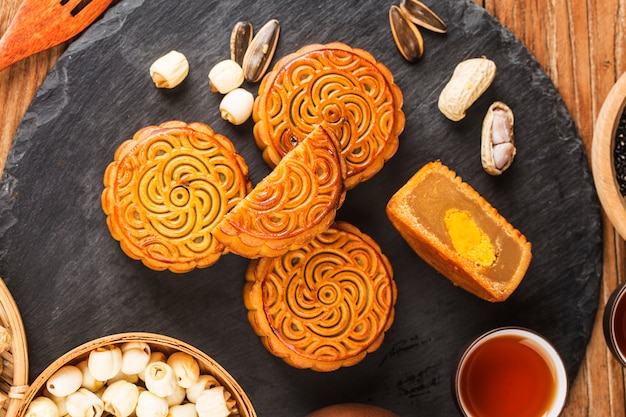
[{"x": 73, "y": 283}]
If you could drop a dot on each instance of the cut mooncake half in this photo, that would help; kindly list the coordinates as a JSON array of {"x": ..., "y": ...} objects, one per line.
[
  {"x": 167, "y": 189},
  {"x": 325, "y": 305},
  {"x": 456, "y": 231},
  {"x": 332, "y": 82},
  {"x": 292, "y": 204}
]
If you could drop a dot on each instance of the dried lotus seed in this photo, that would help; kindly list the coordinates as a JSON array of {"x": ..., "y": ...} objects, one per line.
[
  {"x": 236, "y": 106},
  {"x": 120, "y": 398},
  {"x": 169, "y": 70},
  {"x": 225, "y": 76},
  {"x": 151, "y": 405},
  {"x": 65, "y": 381},
  {"x": 42, "y": 407}
]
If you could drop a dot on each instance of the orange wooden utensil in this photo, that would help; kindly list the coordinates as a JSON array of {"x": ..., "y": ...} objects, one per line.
[{"x": 42, "y": 24}]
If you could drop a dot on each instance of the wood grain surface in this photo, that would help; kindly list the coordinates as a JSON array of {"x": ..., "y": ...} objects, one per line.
[{"x": 580, "y": 45}]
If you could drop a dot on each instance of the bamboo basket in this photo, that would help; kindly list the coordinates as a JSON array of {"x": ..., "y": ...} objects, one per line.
[
  {"x": 156, "y": 342},
  {"x": 14, "y": 377}
]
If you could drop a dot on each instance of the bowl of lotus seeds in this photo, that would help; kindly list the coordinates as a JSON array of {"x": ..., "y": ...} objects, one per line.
[
  {"x": 608, "y": 156},
  {"x": 135, "y": 375}
]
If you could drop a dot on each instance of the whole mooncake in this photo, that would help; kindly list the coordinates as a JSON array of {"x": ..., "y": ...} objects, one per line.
[
  {"x": 292, "y": 204},
  {"x": 332, "y": 81},
  {"x": 325, "y": 305},
  {"x": 167, "y": 189}
]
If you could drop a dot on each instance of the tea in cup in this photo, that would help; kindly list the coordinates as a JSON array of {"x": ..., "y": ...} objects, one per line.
[
  {"x": 614, "y": 324},
  {"x": 512, "y": 372}
]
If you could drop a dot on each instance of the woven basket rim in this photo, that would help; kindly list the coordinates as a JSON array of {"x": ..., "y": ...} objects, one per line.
[
  {"x": 166, "y": 342},
  {"x": 19, "y": 349}
]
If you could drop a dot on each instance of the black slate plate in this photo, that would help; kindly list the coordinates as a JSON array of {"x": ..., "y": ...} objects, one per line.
[{"x": 72, "y": 282}]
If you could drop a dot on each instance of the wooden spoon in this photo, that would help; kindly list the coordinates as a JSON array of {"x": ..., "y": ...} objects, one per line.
[{"x": 42, "y": 24}]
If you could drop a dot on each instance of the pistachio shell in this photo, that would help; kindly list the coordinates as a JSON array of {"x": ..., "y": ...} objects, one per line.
[
  {"x": 406, "y": 35},
  {"x": 497, "y": 142},
  {"x": 421, "y": 15}
]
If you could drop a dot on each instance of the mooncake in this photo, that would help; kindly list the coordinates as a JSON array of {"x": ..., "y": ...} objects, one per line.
[
  {"x": 454, "y": 229},
  {"x": 167, "y": 189},
  {"x": 331, "y": 82},
  {"x": 325, "y": 305},
  {"x": 292, "y": 204}
]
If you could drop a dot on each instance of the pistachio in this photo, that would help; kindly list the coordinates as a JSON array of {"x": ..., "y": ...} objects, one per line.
[
  {"x": 406, "y": 35},
  {"x": 261, "y": 51},
  {"x": 468, "y": 82},
  {"x": 497, "y": 142},
  {"x": 240, "y": 39},
  {"x": 421, "y": 15}
]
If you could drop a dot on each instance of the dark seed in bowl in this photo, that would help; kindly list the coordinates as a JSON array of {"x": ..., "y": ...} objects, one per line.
[{"x": 619, "y": 153}]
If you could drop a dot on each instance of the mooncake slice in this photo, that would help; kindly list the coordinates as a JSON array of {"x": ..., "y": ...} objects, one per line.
[
  {"x": 459, "y": 233},
  {"x": 336, "y": 82},
  {"x": 325, "y": 305},
  {"x": 292, "y": 204},
  {"x": 167, "y": 189}
]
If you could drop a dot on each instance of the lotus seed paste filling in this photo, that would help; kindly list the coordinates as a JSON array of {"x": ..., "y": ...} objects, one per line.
[{"x": 429, "y": 202}]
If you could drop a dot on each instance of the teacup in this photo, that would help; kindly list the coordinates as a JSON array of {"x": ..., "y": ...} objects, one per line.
[
  {"x": 614, "y": 324},
  {"x": 513, "y": 372}
]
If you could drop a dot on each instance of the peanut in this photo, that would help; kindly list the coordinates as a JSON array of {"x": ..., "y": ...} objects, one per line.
[
  {"x": 497, "y": 143},
  {"x": 469, "y": 81}
]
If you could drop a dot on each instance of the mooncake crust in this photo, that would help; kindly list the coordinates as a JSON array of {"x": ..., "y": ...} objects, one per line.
[
  {"x": 440, "y": 255},
  {"x": 292, "y": 204},
  {"x": 307, "y": 86},
  {"x": 325, "y": 305},
  {"x": 166, "y": 190}
]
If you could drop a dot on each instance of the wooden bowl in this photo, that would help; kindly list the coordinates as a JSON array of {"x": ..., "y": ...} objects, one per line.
[
  {"x": 156, "y": 342},
  {"x": 14, "y": 376},
  {"x": 602, "y": 158}
]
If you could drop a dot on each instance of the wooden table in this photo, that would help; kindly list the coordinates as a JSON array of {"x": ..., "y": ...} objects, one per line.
[{"x": 582, "y": 49}]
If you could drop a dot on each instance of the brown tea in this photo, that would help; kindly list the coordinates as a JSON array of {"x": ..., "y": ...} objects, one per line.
[
  {"x": 619, "y": 326},
  {"x": 507, "y": 376}
]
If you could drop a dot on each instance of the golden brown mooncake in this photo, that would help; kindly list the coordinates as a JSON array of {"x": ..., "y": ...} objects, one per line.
[
  {"x": 325, "y": 305},
  {"x": 454, "y": 229},
  {"x": 292, "y": 204},
  {"x": 319, "y": 83},
  {"x": 167, "y": 189}
]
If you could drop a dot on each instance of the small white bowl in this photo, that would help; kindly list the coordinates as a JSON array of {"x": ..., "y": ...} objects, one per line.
[
  {"x": 494, "y": 359},
  {"x": 602, "y": 156}
]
